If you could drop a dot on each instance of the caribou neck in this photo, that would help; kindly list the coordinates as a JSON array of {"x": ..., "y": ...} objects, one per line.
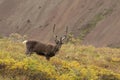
[{"x": 57, "y": 47}]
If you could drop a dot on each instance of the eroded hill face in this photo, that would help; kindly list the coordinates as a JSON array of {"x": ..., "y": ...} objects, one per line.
[{"x": 96, "y": 21}]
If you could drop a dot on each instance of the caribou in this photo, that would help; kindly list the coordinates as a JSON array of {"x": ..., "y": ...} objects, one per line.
[{"x": 43, "y": 49}]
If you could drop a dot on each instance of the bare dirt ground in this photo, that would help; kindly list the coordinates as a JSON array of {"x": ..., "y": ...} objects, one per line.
[{"x": 36, "y": 18}]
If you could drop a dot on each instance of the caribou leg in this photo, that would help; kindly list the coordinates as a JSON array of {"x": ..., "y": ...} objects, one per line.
[{"x": 48, "y": 58}]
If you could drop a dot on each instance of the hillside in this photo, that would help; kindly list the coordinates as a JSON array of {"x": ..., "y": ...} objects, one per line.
[
  {"x": 73, "y": 62},
  {"x": 97, "y": 22}
]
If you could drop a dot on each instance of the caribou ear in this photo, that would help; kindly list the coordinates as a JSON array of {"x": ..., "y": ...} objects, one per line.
[{"x": 62, "y": 39}]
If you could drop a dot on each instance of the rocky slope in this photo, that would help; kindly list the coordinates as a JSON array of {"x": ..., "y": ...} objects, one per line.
[{"x": 97, "y": 22}]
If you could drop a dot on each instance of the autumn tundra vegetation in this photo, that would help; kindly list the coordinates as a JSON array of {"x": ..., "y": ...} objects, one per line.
[{"x": 73, "y": 62}]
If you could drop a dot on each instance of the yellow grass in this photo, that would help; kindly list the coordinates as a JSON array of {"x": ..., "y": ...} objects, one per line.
[{"x": 73, "y": 62}]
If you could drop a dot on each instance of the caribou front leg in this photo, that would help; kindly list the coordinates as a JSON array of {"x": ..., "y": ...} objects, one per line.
[
  {"x": 28, "y": 53},
  {"x": 47, "y": 56}
]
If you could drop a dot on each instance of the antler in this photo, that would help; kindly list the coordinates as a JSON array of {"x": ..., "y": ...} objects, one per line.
[
  {"x": 55, "y": 36},
  {"x": 54, "y": 28},
  {"x": 61, "y": 38},
  {"x": 65, "y": 36},
  {"x": 54, "y": 31},
  {"x": 66, "y": 31}
]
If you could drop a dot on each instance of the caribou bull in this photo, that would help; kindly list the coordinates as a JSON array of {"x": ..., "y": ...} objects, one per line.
[{"x": 47, "y": 50}]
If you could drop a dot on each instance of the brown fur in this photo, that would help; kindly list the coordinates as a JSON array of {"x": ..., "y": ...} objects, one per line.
[{"x": 47, "y": 50}]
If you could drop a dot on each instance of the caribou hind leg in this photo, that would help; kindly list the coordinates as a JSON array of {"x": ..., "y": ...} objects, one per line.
[{"x": 48, "y": 58}]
